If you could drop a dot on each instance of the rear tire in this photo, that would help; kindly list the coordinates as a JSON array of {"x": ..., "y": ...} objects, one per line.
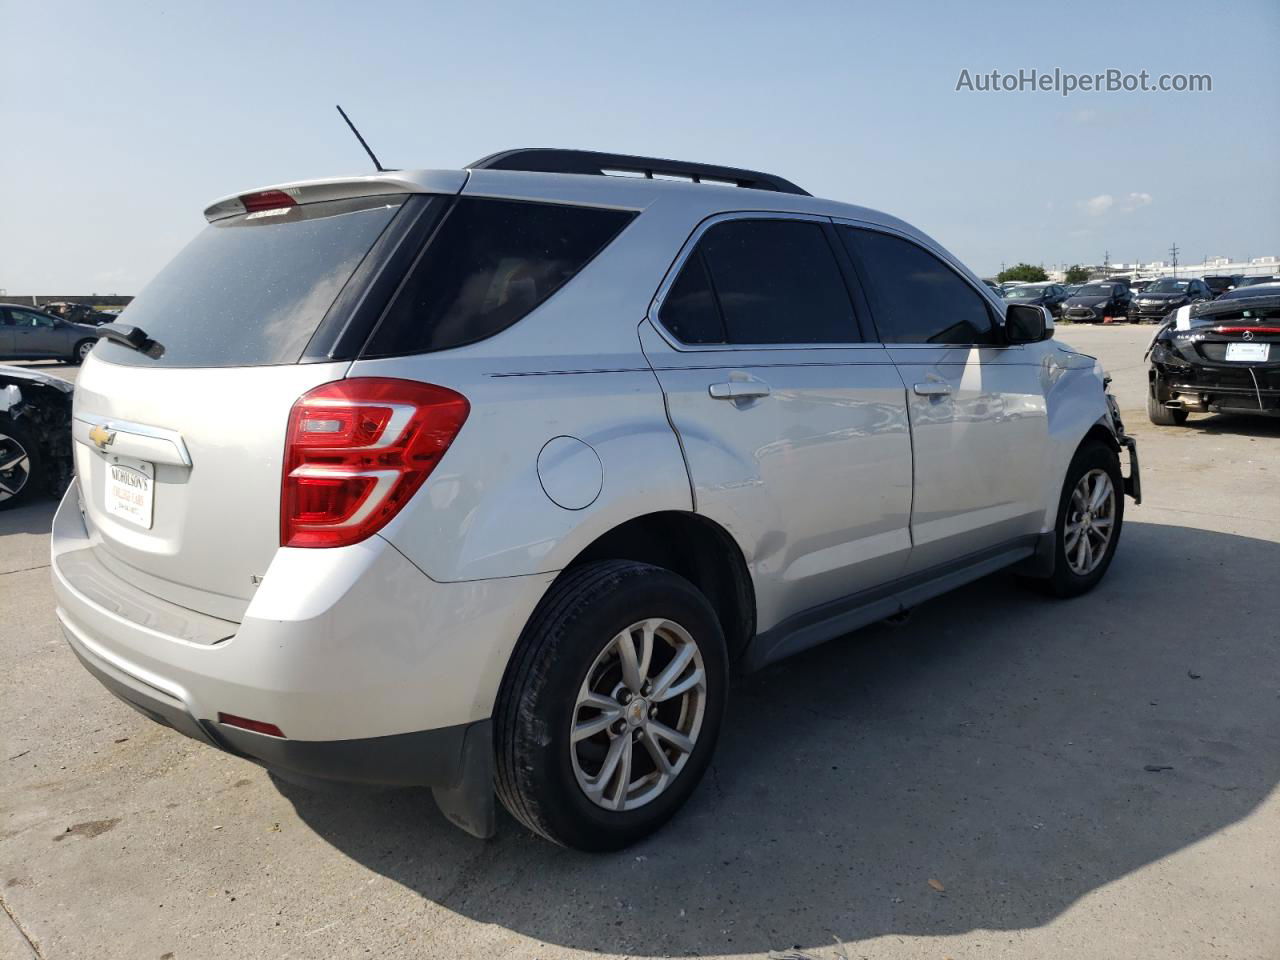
[
  {"x": 568, "y": 706},
  {"x": 1094, "y": 469},
  {"x": 1161, "y": 415},
  {"x": 22, "y": 473}
]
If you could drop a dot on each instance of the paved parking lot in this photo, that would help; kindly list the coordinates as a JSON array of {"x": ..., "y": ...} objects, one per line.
[{"x": 1002, "y": 776}]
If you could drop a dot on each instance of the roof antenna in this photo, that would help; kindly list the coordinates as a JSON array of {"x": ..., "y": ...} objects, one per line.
[{"x": 377, "y": 166}]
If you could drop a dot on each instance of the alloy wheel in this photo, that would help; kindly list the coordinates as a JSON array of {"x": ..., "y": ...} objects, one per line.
[
  {"x": 638, "y": 714},
  {"x": 15, "y": 467},
  {"x": 1090, "y": 522}
]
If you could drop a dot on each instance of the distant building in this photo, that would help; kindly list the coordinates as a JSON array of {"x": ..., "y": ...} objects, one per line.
[
  {"x": 1253, "y": 267},
  {"x": 101, "y": 301}
]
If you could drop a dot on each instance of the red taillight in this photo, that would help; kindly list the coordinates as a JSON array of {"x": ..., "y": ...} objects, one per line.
[
  {"x": 1252, "y": 328},
  {"x": 257, "y": 726},
  {"x": 356, "y": 451},
  {"x": 267, "y": 200}
]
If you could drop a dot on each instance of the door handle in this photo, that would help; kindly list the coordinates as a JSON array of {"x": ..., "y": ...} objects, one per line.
[
  {"x": 739, "y": 390},
  {"x": 932, "y": 388}
]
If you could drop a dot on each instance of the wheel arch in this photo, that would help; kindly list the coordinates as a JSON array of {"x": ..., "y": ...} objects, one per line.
[
  {"x": 696, "y": 548},
  {"x": 1099, "y": 433}
]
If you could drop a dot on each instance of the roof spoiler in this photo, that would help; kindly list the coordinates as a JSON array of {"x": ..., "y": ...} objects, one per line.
[
  {"x": 551, "y": 160},
  {"x": 448, "y": 182}
]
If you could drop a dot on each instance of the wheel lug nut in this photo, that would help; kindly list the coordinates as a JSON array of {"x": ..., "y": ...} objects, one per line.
[{"x": 625, "y": 696}]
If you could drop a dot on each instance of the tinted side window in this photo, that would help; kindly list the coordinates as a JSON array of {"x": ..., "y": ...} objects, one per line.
[
  {"x": 690, "y": 310},
  {"x": 25, "y": 318},
  {"x": 778, "y": 281},
  {"x": 490, "y": 263},
  {"x": 917, "y": 297}
]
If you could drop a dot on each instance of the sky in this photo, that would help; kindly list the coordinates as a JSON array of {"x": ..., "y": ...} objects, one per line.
[{"x": 123, "y": 120}]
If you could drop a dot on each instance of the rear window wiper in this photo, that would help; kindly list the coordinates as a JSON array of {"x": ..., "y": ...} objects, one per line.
[{"x": 135, "y": 338}]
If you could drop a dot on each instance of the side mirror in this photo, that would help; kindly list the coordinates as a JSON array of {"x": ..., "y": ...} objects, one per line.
[{"x": 1027, "y": 324}]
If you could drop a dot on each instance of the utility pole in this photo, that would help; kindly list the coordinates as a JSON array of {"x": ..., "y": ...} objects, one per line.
[
  {"x": 1106, "y": 264},
  {"x": 1173, "y": 258}
]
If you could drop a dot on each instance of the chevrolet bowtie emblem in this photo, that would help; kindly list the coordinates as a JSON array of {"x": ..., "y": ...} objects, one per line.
[{"x": 102, "y": 437}]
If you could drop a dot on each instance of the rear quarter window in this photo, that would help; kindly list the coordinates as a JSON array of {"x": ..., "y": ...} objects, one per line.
[
  {"x": 489, "y": 264},
  {"x": 251, "y": 290}
]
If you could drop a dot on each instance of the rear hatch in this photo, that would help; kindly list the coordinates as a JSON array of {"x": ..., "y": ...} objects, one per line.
[
  {"x": 179, "y": 457},
  {"x": 1234, "y": 343}
]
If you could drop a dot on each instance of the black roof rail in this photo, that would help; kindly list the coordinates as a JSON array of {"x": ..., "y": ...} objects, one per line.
[{"x": 551, "y": 160}]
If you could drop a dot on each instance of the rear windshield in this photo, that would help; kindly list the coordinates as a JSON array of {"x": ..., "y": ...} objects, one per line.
[
  {"x": 251, "y": 290},
  {"x": 490, "y": 263}
]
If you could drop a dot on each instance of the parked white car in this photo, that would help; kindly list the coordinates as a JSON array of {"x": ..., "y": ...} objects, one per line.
[{"x": 485, "y": 479}]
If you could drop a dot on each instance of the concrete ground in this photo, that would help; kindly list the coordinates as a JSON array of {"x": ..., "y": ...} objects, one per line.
[{"x": 1003, "y": 776}]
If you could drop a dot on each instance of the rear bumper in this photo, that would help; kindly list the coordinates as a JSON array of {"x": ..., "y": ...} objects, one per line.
[
  {"x": 422, "y": 758},
  {"x": 1208, "y": 394},
  {"x": 373, "y": 671}
]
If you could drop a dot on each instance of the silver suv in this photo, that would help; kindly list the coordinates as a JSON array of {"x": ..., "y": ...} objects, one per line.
[{"x": 486, "y": 480}]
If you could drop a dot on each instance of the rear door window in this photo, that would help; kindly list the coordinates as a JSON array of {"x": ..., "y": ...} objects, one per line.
[
  {"x": 774, "y": 281},
  {"x": 690, "y": 310},
  {"x": 916, "y": 297},
  {"x": 490, "y": 264},
  {"x": 251, "y": 290}
]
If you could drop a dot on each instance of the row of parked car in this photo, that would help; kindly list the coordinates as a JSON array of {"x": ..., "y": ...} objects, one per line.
[{"x": 1119, "y": 298}]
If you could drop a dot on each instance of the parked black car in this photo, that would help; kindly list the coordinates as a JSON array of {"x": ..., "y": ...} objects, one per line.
[
  {"x": 1224, "y": 359},
  {"x": 79, "y": 313},
  {"x": 1219, "y": 284},
  {"x": 1254, "y": 281},
  {"x": 1166, "y": 295},
  {"x": 30, "y": 334},
  {"x": 35, "y": 435},
  {"x": 1095, "y": 301},
  {"x": 1048, "y": 295},
  {"x": 1248, "y": 292}
]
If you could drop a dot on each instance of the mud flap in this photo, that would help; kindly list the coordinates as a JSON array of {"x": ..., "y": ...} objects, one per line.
[
  {"x": 1040, "y": 563},
  {"x": 470, "y": 803},
  {"x": 1133, "y": 482}
]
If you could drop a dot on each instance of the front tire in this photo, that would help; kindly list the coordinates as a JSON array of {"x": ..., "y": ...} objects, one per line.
[
  {"x": 81, "y": 352},
  {"x": 1090, "y": 517},
  {"x": 611, "y": 705}
]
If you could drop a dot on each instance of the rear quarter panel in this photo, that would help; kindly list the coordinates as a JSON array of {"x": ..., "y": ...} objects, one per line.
[{"x": 484, "y": 512}]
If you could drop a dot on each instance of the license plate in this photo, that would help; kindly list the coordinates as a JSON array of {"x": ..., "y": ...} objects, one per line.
[
  {"x": 131, "y": 490},
  {"x": 1248, "y": 352}
]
